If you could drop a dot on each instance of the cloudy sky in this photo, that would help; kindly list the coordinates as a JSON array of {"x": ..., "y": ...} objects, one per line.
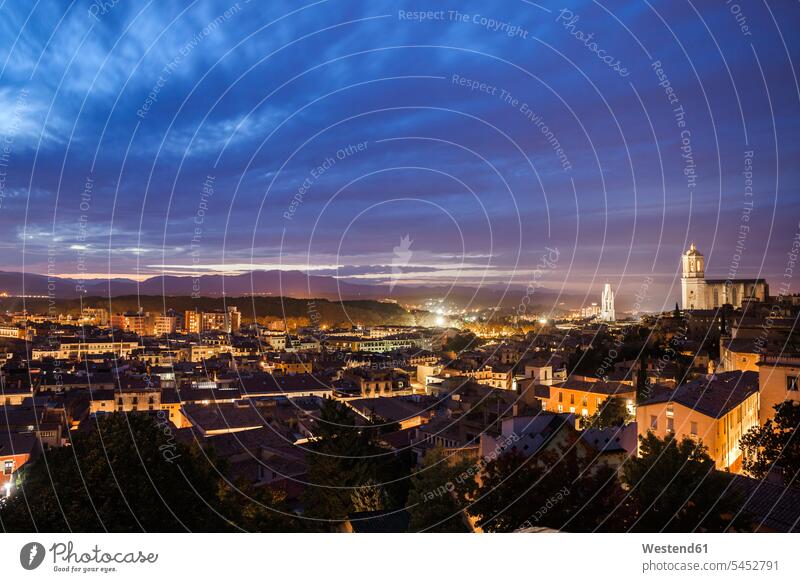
[{"x": 368, "y": 141}]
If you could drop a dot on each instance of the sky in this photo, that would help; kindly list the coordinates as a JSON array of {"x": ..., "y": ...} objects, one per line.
[{"x": 561, "y": 145}]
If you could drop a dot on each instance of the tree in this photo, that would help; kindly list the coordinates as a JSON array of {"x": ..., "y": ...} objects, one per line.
[
  {"x": 438, "y": 493},
  {"x": 574, "y": 360},
  {"x": 343, "y": 459},
  {"x": 642, "y": 384},
  {"x": 775, "y": 445},
  {"x": 127, "y": 475},
  {"x": 463, "y": 341},
  {"x": 368, "y": 497},
  {"x": 613, "y": 412},
  {"x": 558, "y": 490},
  {"x": 675, "y": 487}
]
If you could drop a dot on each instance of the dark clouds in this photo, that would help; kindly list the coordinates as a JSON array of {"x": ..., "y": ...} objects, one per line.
[{"x": 555, "y": 148}]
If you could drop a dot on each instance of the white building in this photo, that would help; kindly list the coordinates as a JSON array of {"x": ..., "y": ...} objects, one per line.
[
  {"x": 697, "y": 292},
  {"x": 607, "y": 304}
]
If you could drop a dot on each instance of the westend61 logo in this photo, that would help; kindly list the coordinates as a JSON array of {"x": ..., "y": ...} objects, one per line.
[{"x": 66, "y": 559}]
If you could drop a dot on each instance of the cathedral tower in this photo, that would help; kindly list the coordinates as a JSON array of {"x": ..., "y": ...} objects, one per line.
[{"x": 693, "y": 283}]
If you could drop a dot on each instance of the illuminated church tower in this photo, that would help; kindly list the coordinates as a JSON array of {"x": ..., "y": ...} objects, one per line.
[
  {"x": 693, "y": 283},
  {"x": 607, "y": 304},
  {"x": 697, "y": 292}
]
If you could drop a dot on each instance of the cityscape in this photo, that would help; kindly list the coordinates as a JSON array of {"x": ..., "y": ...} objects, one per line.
[
  {"x": 422, "y": 420},
  {"x": 353, "y": 267}
]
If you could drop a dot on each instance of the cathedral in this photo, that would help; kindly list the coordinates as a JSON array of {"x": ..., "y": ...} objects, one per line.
[{"x": 697, "y": 292}]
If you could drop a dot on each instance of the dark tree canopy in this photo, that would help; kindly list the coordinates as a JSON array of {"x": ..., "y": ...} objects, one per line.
[
  {"x": 675, "y": 487},
  {"x": 775, "y": 446},
  {"x": 438, "y": 495},
  {"x": 612, "y": 412},
  {"x": 341, "y": 462},
  {"x": 557, "y": 491},
  {"x": 116, "y": 477}
]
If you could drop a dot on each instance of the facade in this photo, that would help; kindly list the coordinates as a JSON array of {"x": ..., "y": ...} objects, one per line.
[
  {"x": 715, "y": 411},
  {"x": 15, "y": 451},
  {"x": 144, "y": 324},
  {"x": 582, "y": 397},
  {"x": 79, "y": 349},
  {"x": 592, "y": 310},
  {"x": 738, "y": 354},
  {"x": 228, "y": 321},
  {"x": 779, "y": 380},
  {"x": 607, "y": 304},
  {"x": 16, "y": 331},
  {"x": 697, "y": 292}
]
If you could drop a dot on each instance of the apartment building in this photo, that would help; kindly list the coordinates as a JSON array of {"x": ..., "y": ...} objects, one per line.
[{"x": 715, "y": 411}]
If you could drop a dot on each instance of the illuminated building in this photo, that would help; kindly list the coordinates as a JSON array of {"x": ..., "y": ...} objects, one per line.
[
  {"x": 715, "y": 411},
  {"x": 697, "y": 292},
  {"x": 228, "y": 321}
]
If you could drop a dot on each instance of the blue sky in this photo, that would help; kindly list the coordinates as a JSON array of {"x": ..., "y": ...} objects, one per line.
[{"x": 146, "y": 101}]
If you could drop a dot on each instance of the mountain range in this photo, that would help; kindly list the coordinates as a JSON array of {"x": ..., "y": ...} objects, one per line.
[{"x": 295, "y": 284}]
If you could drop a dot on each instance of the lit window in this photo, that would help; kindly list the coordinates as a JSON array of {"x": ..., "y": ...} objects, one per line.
[
  {"x": 793, "y": 383},
  {"x": 8, "y": 467},
  {"x": 670, "y": 425},
  {"x": 653, "y": 422},
  {"x": 693, "y": 428}
]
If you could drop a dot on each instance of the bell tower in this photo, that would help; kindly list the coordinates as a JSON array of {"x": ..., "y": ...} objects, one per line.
[
  {"x": 693, "y": 264},
  {"x": 693, "y": 292}
]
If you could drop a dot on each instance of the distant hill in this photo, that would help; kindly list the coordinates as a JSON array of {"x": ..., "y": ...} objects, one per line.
[
  {"x": 295, "y": 284},
  {"x": 321, "y": 311}
]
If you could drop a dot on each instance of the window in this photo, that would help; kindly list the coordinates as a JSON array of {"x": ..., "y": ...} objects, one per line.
[
  {"x": 8, "y": 467},
  {"x": 670, "y": 425},
  {"x": 572, "y": 409},
  {"x": 572, "y": 399},
  {"x": 585, "y": 401},
  {"x": 561, "y": 397},
  {"x": 793, "y": 383},
  {"x": 653, "y": 422},
  {"x": 560, "y": 408},
  {"x": 693, "y": 428}
]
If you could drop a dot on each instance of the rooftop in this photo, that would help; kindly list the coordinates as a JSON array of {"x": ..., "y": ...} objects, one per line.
[{"x": 713, "y": 397}]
